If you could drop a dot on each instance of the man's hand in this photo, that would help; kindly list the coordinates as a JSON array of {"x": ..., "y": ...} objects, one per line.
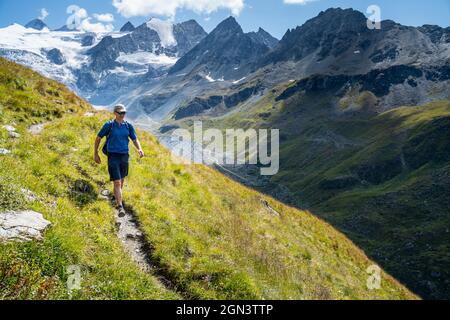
[
  {"x": 141, "y": 153},
  {"x": 97, "y": 159}
]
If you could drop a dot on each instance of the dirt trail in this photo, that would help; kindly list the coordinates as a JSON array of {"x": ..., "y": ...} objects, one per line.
[{"x": 131, "y": 236}]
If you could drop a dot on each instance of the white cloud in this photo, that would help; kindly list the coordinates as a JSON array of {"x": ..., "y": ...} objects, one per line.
[
  {"x": 302, "y": 2},
  {"x": 44, "y": 14},
  {"x": 164, "y": 30},
  {"x": 169, "y": 8},
  {"x": 79, "y": 20},
  {"x": 104, "y": 17},
  {"x": 98, "y": 27},
  {"x": 77, "y": 12}
]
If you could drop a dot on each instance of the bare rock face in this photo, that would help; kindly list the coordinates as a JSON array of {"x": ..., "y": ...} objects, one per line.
[{"x": 22, "y": 226}]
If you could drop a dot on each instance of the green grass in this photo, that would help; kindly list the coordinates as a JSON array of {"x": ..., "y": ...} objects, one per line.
[{"x": 213, "y": 238}]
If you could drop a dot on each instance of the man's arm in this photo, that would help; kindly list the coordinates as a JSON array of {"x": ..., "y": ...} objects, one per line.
[
  {"x": 136, "y": 141},
  {"x": 97, "y": 159},
  {"x": 137, "y": 144}
]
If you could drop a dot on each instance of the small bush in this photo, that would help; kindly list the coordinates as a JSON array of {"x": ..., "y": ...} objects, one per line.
[
  {"x": 83, "y": 193},
  {"x": 11, "y": 197}
]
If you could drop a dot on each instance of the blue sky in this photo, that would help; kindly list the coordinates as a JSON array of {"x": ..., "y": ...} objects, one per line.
[{"x": 274, "y": 16}]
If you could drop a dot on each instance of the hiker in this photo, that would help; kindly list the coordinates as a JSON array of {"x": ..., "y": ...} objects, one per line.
[{"x": 117, "y": 133}]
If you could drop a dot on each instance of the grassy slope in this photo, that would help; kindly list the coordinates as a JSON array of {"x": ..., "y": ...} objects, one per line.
[
  {"x": 213, "y": 237},
  {"x": 397, "y": 210}
]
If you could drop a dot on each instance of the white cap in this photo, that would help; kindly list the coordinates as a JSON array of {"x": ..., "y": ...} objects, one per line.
[{"x": 120, "y": 108}]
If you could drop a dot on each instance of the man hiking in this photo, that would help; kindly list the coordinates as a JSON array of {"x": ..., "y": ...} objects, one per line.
[{"x": 117, "y": 133}]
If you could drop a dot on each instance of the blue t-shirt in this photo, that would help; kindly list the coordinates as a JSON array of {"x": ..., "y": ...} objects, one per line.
[{"x": 119, "y": 139}]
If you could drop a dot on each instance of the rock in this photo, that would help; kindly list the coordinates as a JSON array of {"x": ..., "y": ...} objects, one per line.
[
  {"x": 9, "y": 128},
  {"x": 29, "y": 195},
  {"x": 56, "y": 56},
  {"x": 89, "y": 114},
  {"x": 105, "y": 193},
  {"x": 269, "y": 208},
  {"x": 22, "y": 226},
  {"x": 14, "y": 135},
  {"x": 36, "y": 129},
  {"x": 88, "y": 40},
  {"x": 4, "y": 151}
]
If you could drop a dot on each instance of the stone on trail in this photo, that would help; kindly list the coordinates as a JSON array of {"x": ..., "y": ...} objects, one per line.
[
  {"x": 36, "y": 129},
  {"x": 22, "y": 225},
  {"x": 14, "y": 135},
  {"x": 9, "y": 128}
]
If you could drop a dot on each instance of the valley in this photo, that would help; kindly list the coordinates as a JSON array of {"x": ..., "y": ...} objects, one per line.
[
  {"x": 364, "y": 125},
  {"x": 211, "y": 237}
]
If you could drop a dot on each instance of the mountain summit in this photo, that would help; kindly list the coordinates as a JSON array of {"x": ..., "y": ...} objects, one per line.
[
  {"x": 37, "y": 24},
  {"x": 227, "y": 52},
  {"x": 127, "y": 27}
]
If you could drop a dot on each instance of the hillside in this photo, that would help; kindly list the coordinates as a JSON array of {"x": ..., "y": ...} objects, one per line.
[
  {"x": 207, "y": 236},
  {"x": 380, "y": 177}
]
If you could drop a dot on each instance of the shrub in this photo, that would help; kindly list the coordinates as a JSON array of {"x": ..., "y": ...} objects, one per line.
[{"x": 11, "y": 197}]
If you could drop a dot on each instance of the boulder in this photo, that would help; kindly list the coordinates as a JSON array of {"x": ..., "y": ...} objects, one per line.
[
  {"x": 22, "y": 226},
  {"x": 9, "y": 128},
  {"x": 14, "y": 135},
  {"x": 36, "y": 129},
  {"x": 4, "y": 151}
]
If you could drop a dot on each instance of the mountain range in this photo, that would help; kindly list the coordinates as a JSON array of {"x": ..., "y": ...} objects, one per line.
[
  {"x": 363, "y": 114},
  {"x": 200, "y": 235}
]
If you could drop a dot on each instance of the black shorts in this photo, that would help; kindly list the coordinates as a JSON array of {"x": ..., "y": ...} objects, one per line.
[{"x": 118, "y": 165}]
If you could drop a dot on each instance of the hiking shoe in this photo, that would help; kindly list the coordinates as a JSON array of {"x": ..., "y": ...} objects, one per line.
[{"x": 122, "y": 212}]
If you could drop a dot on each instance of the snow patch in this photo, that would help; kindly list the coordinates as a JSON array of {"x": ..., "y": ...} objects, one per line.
[
  {"x": 147, "y": 58},
  {"x": 240, "y": 80},
  {"x": 211, "y": 79},
  {"x": 18, "y": 37}
]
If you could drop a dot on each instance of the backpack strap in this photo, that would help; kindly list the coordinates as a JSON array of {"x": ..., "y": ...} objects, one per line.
[
  {"x": 128, "y": 127},
  {"x": 111, "y": 123}
]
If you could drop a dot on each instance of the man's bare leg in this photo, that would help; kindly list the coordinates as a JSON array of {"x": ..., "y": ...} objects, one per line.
[{"x": 118, "y": 192}]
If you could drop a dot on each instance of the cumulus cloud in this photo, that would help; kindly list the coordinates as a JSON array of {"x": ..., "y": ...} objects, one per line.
[
  {"x": 169, "y": 8},
  {"x": 303, "y": 2},
  {"x": 87, "y": 26},
  {"x": 104, "y": 17},
  {"x": 79, "y": 20},
  {"x": 44, "y": 14},
  {"x": 76, "y": 12}
]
